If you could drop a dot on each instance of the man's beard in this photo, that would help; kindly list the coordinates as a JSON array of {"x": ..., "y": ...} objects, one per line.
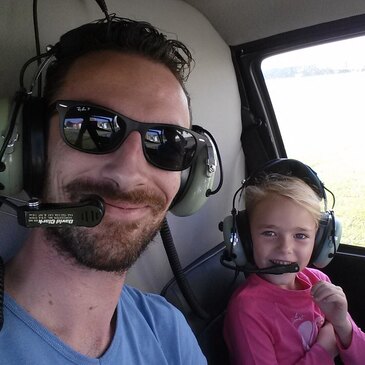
[{"x": 111, "y": 246}]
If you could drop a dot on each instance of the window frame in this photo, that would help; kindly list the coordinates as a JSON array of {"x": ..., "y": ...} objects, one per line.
[{"x": 255, "y": 99}]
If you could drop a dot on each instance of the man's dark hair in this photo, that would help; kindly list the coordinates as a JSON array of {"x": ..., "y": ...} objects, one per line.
[{"x": 122, "y": 35}]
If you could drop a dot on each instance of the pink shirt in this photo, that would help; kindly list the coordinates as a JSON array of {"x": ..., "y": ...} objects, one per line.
[{"x": 267, "y": 325}]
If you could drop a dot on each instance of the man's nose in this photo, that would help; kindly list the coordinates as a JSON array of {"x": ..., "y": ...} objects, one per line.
[{"x": 127, "y": 166}]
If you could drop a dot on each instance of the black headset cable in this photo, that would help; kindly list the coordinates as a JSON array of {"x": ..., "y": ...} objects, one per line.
[
  {"x": 179, "y": 274},
  {"x": 333, "y": 198},
  {"x": 201, "y": 130},
  {"x": 2, "y": 274},
  {"x": 37, "y": 41},
  {"x": 210, "y": 192}
]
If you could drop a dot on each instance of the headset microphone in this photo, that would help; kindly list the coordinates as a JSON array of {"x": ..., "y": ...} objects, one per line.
[
  {"x": 87, "y": 213},
  {"x": 274, "y": 270},
  {"x": 227, "y": 258}
]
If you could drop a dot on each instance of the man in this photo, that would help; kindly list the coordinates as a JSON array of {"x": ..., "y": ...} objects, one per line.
[{"x": 65, "y": 300}]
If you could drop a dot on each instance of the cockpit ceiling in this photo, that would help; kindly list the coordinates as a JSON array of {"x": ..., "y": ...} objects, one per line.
[{"x": 241, "y": 21}]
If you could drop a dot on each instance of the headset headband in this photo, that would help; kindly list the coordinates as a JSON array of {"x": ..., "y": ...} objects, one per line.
[{"x": 289, "y": 167}]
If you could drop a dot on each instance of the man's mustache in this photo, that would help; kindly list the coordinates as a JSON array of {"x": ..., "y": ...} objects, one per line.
[{"x": 79, "y": 189}]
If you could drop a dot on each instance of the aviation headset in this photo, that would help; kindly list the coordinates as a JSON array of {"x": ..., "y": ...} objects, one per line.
[
  {"x": 24, "y": 133},
  {"x": 236, "y": 229}
]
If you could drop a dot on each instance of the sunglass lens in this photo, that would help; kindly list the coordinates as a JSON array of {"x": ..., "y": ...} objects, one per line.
[
  {"x": 92, "y": 130},
  {"x": 170, "y": 148}
]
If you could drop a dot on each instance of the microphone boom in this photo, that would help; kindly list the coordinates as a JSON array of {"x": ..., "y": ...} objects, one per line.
[
  {"x": 87, "y": 213},
  {"x": 274, "y": 270}
]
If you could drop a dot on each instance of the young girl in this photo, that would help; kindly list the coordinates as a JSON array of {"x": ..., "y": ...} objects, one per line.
[{"x": 293, "y": 318}]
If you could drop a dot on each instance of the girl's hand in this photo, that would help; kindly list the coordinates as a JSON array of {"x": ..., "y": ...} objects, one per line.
[
  {"x": 327, "y": 339},
  {"x": 332, "y": 301}
]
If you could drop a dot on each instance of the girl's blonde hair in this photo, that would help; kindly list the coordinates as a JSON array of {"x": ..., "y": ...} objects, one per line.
[{"x": 287, "y": 186}]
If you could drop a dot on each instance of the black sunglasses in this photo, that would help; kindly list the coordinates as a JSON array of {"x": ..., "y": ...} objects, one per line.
[{"x": 94, "y": 129}]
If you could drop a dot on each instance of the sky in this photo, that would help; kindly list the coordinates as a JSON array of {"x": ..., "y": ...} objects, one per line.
[{"x": 346, "y": 53}]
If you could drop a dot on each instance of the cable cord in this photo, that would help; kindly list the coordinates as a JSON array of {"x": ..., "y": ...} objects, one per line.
[
  {"x": 210, "y": 192},
  {"x": 333, "y": 198},
  {"x": 201, "y": 130},
  {"x": 2, "y": 274},
  {"x": 103, "y": 8},
  {"x": 37, "y": 41},
  {"x": 18, "y": 102},
  {"x": 178, "y": 271}
]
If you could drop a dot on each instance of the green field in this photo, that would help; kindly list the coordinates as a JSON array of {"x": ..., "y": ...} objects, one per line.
[{"x": 349, "y": 189}]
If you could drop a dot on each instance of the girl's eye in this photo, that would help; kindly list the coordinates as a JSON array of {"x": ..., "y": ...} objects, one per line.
[
  {"x": 301, "y": 236},
  {"x": 268, "y": 233}
]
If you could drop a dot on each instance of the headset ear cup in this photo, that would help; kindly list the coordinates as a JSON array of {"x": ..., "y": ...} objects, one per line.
[
  {"x": 234, "y": 247},
  {"x": 195, "y": 183},
  {"x": 34, "y": 149},
  {"x": 327, "y": 240},
  {"x": 11, "y": 177},
  {"x": 244, "y": 232}
]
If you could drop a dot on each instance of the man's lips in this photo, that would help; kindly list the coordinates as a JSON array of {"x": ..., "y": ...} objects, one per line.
[
  {"x": 127, "y": 211},
  {"x": 126, "y": 205}
]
